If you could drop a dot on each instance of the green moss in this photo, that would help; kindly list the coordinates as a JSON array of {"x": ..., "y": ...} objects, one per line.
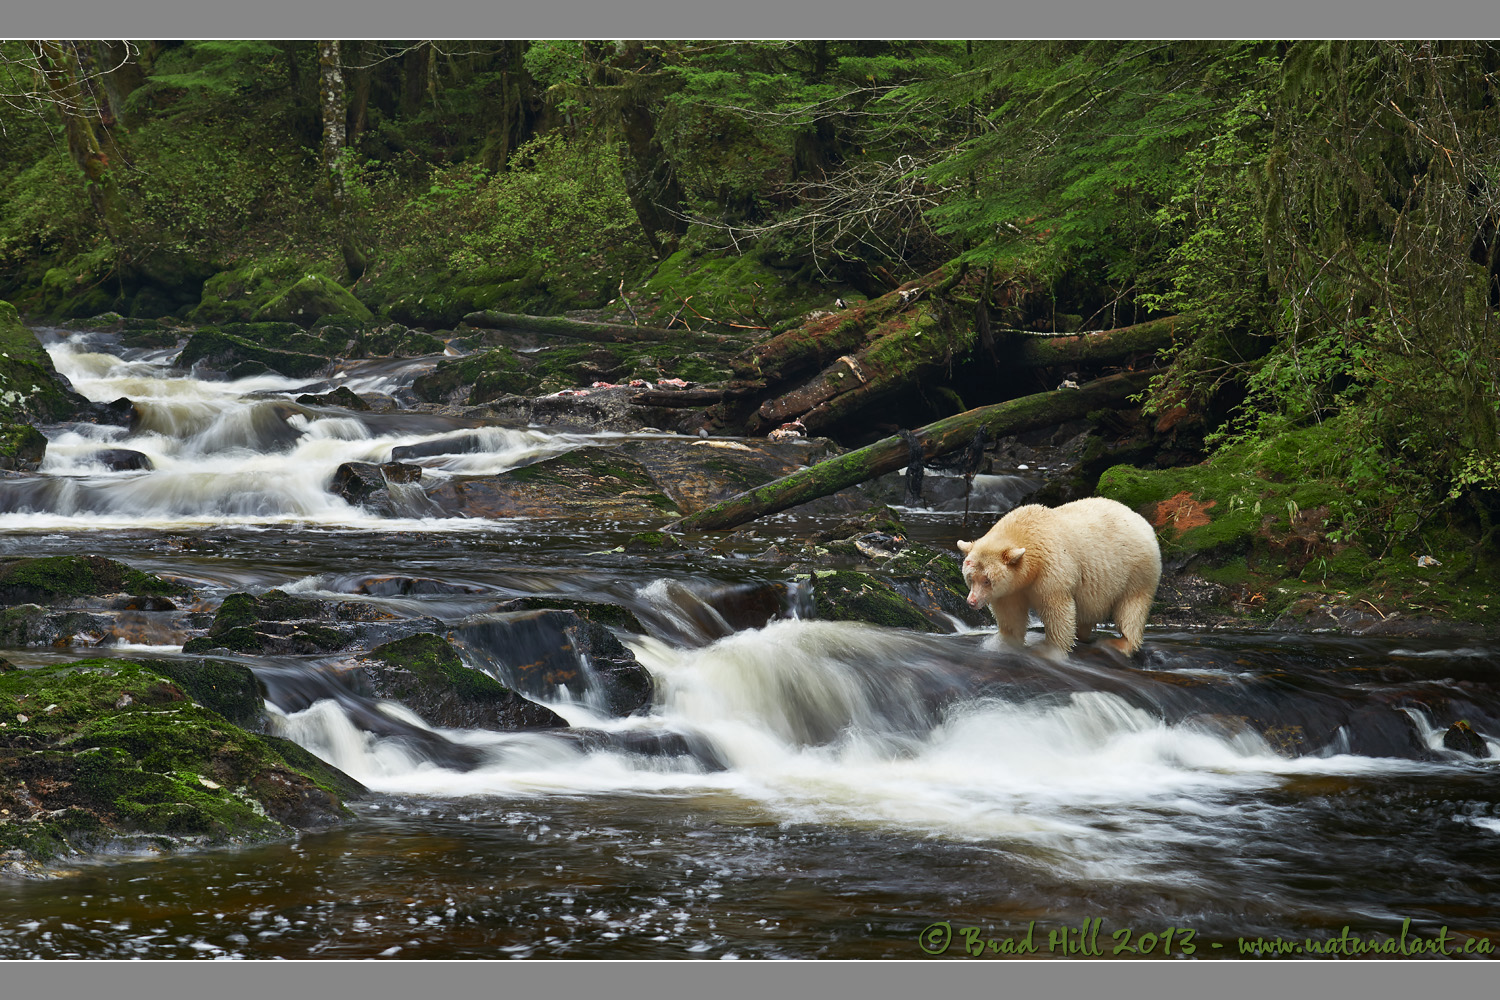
[
  {"x": 611, "y": 615},
  {"x": 223, "y": 351},
  {"x": 53, "y": 578},
  {"x": 111, "y": 748},
  {"x": 313, "y": 295},
  {"x": 30, "y": 389},
  {"x": 434, "y": 662},
  {"x": 490, "y": 373},
  {"x": 847, "y": 596}
]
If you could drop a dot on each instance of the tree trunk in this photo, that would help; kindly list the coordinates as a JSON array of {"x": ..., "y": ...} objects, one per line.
[
  {"x": 415, "y": 63},
  {"x": 359, "y": 89},
  {"x": 120, "y": 77},
  {"x": 1044, "y": 409},
  {"x": 59, "y": 65},
  {"x": 335, "y": 113}
]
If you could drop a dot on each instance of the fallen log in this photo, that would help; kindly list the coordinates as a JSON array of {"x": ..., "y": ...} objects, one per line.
[
  {"x": 577, "y": 329},
  {"x": 1043, "y": 409},
  {"x": 905, "y": 358}
]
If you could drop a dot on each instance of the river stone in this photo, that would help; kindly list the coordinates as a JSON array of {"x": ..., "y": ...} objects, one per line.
[
  {"x": 851, "y": 596},
  {"x": 612, "y": 615},
  {"x": 31, "y": 625},
  {"x": 52, "y": 579},
  {"x": 122, "y": 460},
  {"x": 22, "y": 447},
  {"x": 363, "y": 484},
  {"x": 1461, "y": 737},
  {"x": 342, "y": 396},
  {"x": 125, "y": 760},
  {"x": 401, "y": 586},
  {"x": 278, "y": 623},
  {"x": 425, "y": 673},
  {"x": 595, "y": 483},
  {"x": 541, "y": 652}
]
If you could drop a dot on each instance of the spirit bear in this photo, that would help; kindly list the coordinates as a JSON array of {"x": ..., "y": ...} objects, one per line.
[{"x": 1077, "y": 565}]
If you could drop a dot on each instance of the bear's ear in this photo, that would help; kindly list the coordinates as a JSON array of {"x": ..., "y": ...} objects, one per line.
[
  {"x": 1012, "y": 556},
  {"x": 964, "y": 547}
]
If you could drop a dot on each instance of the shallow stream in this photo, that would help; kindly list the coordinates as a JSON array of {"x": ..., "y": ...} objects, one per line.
[{"x": 876, "y": 785}]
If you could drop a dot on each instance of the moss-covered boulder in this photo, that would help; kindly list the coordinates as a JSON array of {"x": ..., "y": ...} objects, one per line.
[
  {"x": 31, "y": 390},
  {"x": 33, "y": 625},
  {"x": 311, "y": 297},
  {"x": 280, "y": 624},
  {"x": 426, "y": 674},
  {"x": 478, "y": 378},
  {"x": 51, "y": 579},
  {"x": 226, "y": 353},
  {"x": 22, "y": 448},
  {"x": 603, "y": 613},
  {"x": 852, "y": 596},
  {"x": 103, "y": 754}
]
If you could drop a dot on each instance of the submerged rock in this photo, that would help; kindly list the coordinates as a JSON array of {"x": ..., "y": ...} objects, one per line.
[
  {"x": 363, "y": 484},
  {"x": 122, "y": 460},
  {"x": 426, "y": 674},
  {"x": 109, "y": 754}
]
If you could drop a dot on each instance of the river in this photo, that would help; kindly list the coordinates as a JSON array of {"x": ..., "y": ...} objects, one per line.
[{"x": 860, "y": 792}]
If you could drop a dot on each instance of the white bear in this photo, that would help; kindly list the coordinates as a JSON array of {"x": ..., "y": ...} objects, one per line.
[{"x": 1076, "y": 565}]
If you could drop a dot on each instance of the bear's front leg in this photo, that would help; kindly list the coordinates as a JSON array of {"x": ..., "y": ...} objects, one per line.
[
  {"x": 1012, "y": 614},
  {"x": 1059, "y": 615}
]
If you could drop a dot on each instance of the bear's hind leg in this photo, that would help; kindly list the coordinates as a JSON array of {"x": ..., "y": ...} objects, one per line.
[{"x": 1130, "y": 615}]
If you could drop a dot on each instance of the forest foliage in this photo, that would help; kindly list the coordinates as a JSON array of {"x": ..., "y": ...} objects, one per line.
[{"x": 1324, "y": 213}]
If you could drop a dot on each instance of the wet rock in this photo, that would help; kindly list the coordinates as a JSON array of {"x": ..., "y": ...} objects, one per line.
[
  {"x": 230, "y": 689},
  {"x": 599, "y": 410},
  {"x": 273, "y": 623},
  {"x": 1461, "y": 737},
  {"x": 601, "y": 612},
  {"x": 588, "y": 482},
  {"x": 402, "y": 586},
  {"x": 653, "y": 541},
  {"x": 22, "y": 447},
  {"x": 31, "y": 625},
  {"x": 224, "y": 352},
  {"x": 478, "y": 378},
  {"x": 362, "y": 484},
  {"x": 850, "y": 596},
  {"x": 426, "y": 674},
  {"x": 342, "y": 396},
  {"x": 540, "y": 653},
  {"x": 122, "y": 460},
  {"x": 31, "y": 390},
  {"x": 52, "y": 579},
  {"x": 122, "y": 757},
  {"x": 654, "y": 744}
]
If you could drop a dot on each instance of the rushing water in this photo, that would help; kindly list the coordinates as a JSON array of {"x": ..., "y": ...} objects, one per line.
[{"x": 850, "y": 786}]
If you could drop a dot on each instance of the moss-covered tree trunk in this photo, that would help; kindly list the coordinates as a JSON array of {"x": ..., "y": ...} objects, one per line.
[
  {"x": 60, "y": 68},
  {"x": 1044, "y": 409}
]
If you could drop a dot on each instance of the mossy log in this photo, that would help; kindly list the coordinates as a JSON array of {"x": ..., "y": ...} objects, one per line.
[
  {"x": 615, "y": 333},
  {"x": 1042, "y": 409},
  {"x": 900, "y": 355},
  {"x": 682, "y": 398}
]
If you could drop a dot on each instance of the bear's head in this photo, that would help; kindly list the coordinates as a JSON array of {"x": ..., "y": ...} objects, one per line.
[{"x": 991, "y": 574}]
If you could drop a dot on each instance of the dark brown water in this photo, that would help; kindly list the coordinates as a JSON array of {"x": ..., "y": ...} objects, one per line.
[{"x": 880, "y": 789}]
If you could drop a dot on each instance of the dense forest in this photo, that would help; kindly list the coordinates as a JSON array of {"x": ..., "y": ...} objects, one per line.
[{"x": 1317, "y": 219}]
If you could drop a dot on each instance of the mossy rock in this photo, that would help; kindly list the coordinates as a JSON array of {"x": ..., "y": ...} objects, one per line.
[
  {"x": 342, "y": 396},
  {"x": 225, "y": 352},
  {"x": 275, "y": 622},
  {"x": 488, "y": 375},
  {"x": 50, "y": 579},
  {"x": 238, "y": 293},
  {"x": 22, "y": 447},
  {"x": 425, "y": 673},
  {"x": 30, "y": 388},
  {"x": 114, "y": 753},
  {"x": 849, "y": 596},
  {"x": 313, "y": 295}
]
